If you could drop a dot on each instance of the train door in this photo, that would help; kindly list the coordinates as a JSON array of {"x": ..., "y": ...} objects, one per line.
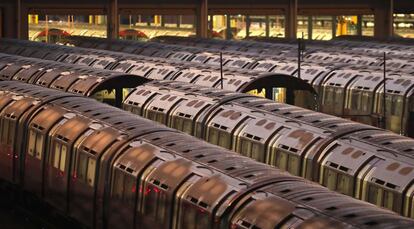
[
  {"x": 35, "y": 157},
  {"x": 1, "y": 22},
  {"x": 58, "y": 168},
  {"x": 409, "y": 125},
  {"x": 8, "y": 130}
]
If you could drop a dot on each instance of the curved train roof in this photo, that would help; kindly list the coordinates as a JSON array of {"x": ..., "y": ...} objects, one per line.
[
  {"x": 66, "y": 77},
  {"x": 152, "y": 67},
  {"x": 244, "y": 176}
]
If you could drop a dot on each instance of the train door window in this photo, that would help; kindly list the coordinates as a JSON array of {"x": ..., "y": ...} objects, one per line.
[
  {"x": 366, "y": 101},
  {"x": 281, "y": 159},
  {"x": 345, "y": 184},
  {"x": 187, "y": 126},
  {"x": 330, "y": 179},
  {"x": 151, "y": 115},
  {"x": 59, "y": 158},
  {"x": 328, "y": 98},
  {"x": 35, "y": 147},
  {"x": 383, "y": 198},
  {"x": 257, "y": 152},
  {"x": 338, "y": 102},
  {"x": 374, "y": 195},
  {"x": 32, "y": 143},
  {"x": 388, "y": 199},
  {"x": 409, "y": 123},
  {"x": 213, "y": 136},
  {"x": 245, "y": 147},
  {"x": 224, "y": 139},
  {"x": 178, "y": 123},
  {"x": 338, "y": 182},
  {"x": 86, "y": 169},
  {"x": 394, "y": 107},
  {"x": 91, "y": 172},
  {"x": 353, "y": 104},
  {"x": 293, "y": 164},
  {"x": 155, "y": 114},
  {"x": 8, "y": 131},
  {"x": 56, "y": 154},
  {"x": 39, "y": 146},
  {"x": 63, "y": 152}
]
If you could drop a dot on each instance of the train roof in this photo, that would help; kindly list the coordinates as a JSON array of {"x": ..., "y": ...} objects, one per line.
[{"x": 243, "y": 174}]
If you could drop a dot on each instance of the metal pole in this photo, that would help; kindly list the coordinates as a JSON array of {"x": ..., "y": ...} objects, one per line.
[
  {"x": 221, "y": 69},
  {"x": 47, "y": 29},
  {"x": 300, "y": 40},
  {"x": 384, "y": 95},
  {"x": 299, "y": 54}
]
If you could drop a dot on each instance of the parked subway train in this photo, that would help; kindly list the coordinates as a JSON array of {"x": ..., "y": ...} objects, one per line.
[
  {"x": 354, "y": 159},
  {"x": 107, "y": 168},
  {"x": 345, "y": 90},
  {"x": 352, "y": 90},
  {"x": 299, "y": 93}
]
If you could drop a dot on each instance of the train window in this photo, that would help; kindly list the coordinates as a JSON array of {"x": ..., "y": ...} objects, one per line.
[
  {"x": 178, "y": 123},
  {"x": 394, "y": 105},
  {"x": 32, "y": 142},
  {"x": 224, "y": 139},
  {"x": 245, "y": 147},
  {"x": 187, "y": 126},
  {"x": 251, "y": 149},
  {"x": 285, "y": 161},
  {"x": 354, "y": 100},
  {"x": 383, "y": 198},
  {"x": 91, "y": 172},
  {"x": 293, "y": 164},
  {"x": 63, "y": 152},
  {"x": 374, "y": 195},
  {"x": 345, "y": 184},
  {"x": 56, "y": 155},
  {"x": 330, "y": 179},
  {"x": 281, "y": 160},
  {"x": 59, "y": 157},
  {"x": 366, "y": 101},
  {"x": 183, "y": 124},
  {"x": 328, "y": 98},
  {"x": 39, "y": 146},
  {"x": 213, "y": 136},
  {"x": 338, "y": 181},
  {"x": 338, "y": 101},
  {"x": 155, "y": 116}
]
